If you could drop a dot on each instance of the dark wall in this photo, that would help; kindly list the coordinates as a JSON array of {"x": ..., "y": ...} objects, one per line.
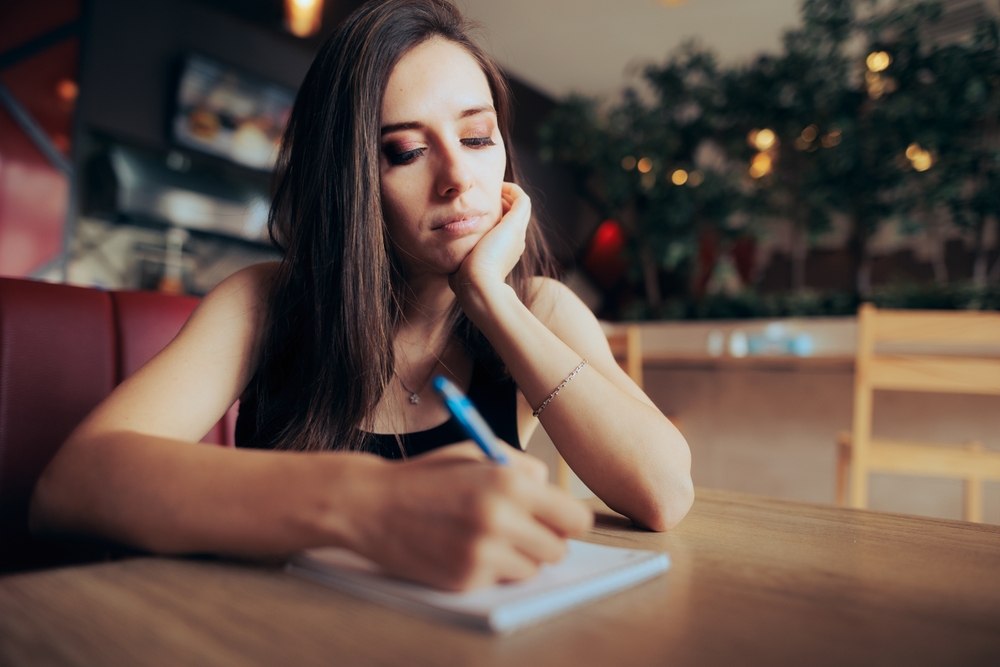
[{"x": 133, "y": 49}]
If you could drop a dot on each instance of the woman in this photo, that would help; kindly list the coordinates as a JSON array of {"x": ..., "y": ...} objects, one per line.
[{"x": 409, "y": 251}]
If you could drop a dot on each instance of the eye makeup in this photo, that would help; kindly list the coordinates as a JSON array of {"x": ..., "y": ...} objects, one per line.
[{"x": 398, "y": 157}]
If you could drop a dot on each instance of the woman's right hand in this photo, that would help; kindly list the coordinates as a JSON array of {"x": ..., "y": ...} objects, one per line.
[{"x": 453, "y": 520}]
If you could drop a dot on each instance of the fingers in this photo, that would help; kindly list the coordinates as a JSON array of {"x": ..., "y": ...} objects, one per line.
[
  {"x": 561, "y": 513},
  {"x": 517, "y": 203},
  {"x": 454, "y": 520},
  {"x": 462, "y": 451},
  {"x": 529, "y": 537},
  {"x": 535, "y": 468}
]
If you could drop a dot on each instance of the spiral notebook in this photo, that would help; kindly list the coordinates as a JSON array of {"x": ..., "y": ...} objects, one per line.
[{"x": 589, "y": 571}]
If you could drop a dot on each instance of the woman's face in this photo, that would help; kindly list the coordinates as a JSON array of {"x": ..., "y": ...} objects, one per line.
[{"x": 442, "y": 161}]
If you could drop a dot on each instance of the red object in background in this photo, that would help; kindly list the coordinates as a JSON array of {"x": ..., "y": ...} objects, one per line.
[
  {"x": 605, "y": 256},
  {"x": 33, "y": 197},
  {"x": 34, "y": 193},
  {"x": 744, "y": 252},
  {"x": 708, "y": 255}
]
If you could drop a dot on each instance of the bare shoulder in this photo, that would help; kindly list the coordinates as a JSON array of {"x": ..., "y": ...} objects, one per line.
[
  {"x": 235, "y": 311},
  {"x": 557, "y": 306},
  {"x": 247, "y": 288}
]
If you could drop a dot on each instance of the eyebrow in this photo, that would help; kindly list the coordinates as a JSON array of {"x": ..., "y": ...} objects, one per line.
[{"x": 416, "y": 125}]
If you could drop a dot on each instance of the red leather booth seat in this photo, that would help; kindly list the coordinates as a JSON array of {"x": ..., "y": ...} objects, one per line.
[{"x": 62, "y": 350}]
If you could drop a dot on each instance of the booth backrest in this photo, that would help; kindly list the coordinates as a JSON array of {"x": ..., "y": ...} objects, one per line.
[{"x": 62, "y": 350}]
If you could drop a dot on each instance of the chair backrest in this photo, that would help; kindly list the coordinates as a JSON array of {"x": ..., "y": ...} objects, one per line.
[
  {"x": 626, "y": 345},
  {"x": 926, "y": 351},
  {"x": 921, "y": 364},
  {"x": 62, "y": 350}
]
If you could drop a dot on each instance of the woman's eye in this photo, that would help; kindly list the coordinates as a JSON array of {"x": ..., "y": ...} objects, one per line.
[
  {"x": 478, "y": 142},
  {"x": 404, "y": 157}
]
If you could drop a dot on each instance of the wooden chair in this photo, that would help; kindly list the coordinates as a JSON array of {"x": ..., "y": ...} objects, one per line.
[
  {"x": 859, "y": 453},
  {"x": 626, "y": 345}
]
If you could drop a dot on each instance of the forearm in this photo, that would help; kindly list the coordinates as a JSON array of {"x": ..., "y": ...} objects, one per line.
[
  {"x": 177, "y": 497},
  {"x": 625, "y": 450}
]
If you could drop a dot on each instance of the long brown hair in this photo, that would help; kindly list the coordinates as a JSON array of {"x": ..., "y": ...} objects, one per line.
[{"x": 327, "y": 352}]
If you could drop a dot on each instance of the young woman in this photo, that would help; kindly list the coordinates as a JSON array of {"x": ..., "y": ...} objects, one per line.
[{"x": 409, "y": 251}]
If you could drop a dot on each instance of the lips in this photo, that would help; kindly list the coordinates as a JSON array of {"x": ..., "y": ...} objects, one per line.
[{"x": 459, "y": 223}]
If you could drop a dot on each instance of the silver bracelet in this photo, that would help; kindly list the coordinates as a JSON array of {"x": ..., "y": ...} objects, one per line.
[{"x": 559, "y": 388}]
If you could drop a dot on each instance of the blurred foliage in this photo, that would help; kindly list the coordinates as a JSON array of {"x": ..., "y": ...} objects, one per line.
[{"x": 911, "y": 136}]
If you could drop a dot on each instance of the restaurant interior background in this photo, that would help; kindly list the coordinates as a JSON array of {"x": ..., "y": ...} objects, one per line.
[{"x": 735, "y": 177}]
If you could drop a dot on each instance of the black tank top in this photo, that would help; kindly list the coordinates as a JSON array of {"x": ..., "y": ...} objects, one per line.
[{"x": 495, "y": 396}]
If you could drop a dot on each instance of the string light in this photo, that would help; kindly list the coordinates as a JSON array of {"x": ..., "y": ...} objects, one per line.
[
  {"x": 628, "y": 162},
  {"x": 878, "y": 61},
  {"x": 920, "y": 159},
  {"x": 810, "y": 133},
  {"x": 761, "y": 165},
  {"x": 762, "y": 140},
  {"x": 679, "y": 177},
  {"x": 696, "y": 178},
  {"x": 645, "y": 165},
  {"x": 876, "y": 86}
]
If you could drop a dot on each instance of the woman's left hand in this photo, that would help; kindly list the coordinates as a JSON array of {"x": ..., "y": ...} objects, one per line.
[{"x": 498, "y": 252}]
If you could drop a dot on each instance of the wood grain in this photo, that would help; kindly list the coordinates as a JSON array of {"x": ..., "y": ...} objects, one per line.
[
  {"x": 929, "y": 327},
  {"x": 754, "y": 582},
  {"x": 936, "y": 374}
]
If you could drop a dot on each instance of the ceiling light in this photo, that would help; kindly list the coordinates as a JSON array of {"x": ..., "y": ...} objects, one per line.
[{"x": 303, "y": 17}]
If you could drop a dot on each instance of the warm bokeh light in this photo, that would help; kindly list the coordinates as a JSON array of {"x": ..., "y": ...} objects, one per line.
[
  {"x": 648, "y": 180},
  {"x": 67, "y": 90},
  {"x": 303, "y": 17},
  {"x": 679, "y": 177},
  {"x": 878, "y": 61},
  {"x": 761, "y": 165},
  {"x": 920, "y": 159},
  {"x": 645, "y": 165},
  {"x": 762, "y": 140},
  {"x": 830, "y": 140},
  {"x": 696, "y": 178},
  {"x": 810, "y": 133},
  {"x": 876, "y": 86},
  {"x": 628, "y": 163},
  {"x": 923, "y": 161}
]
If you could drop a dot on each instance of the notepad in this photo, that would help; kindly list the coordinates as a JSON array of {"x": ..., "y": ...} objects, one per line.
[{"x": 589, "y": 571}]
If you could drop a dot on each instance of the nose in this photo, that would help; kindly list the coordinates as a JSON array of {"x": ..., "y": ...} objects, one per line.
[{"x": 454, "y": 176}]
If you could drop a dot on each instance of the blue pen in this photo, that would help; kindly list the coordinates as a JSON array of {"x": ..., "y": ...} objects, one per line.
[{"x": 465, "y": 412}]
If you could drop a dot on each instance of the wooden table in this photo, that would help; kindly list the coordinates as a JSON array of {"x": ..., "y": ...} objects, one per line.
[{"x": 754, "y": 582}]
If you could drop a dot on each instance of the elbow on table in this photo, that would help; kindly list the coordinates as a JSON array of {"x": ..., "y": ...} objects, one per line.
[{"x": 664, "y": 510}]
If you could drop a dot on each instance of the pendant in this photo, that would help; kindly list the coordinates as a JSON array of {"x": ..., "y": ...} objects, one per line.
[{"x": 414, "y": 398}]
